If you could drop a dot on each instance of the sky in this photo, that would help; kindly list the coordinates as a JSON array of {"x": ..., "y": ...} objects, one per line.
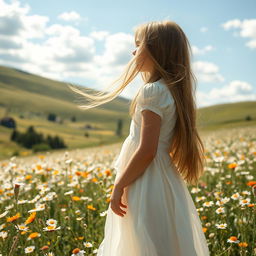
[{"x": 90, "y": 42}]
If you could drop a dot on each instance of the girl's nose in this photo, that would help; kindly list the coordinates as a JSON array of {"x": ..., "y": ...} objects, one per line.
[{"x": 134, "y": 52}]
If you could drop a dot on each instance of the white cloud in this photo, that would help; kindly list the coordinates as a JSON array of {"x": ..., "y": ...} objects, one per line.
[
  {"x": 207, "y": 72},
  {"x": 99, "y": 35},
  {"x": 15, "y": 21},
  {"x": 203, "y": 29},
  {"x": 70, "y": 16},
  {"x": 60, "y": 52},
  {"x": 118, "y": 50},
  {"x": 233, "y": 92},
  {"x": 198, "y": 51},
  {"x": 247, "y": 29}
]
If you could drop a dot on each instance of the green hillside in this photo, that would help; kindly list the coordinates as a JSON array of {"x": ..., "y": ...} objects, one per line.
[{"x": 29, "y": 98}]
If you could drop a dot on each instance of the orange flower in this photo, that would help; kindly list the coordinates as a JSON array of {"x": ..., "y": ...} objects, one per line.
[
  {"x": 39, "y": 167},
  {"x": 31, "y": 218},
  {"x": 45, "y": 247},
  {"x": 232, "y": 166},
  {"x": 204, "y": 217},
  {"x": 108, "y": 172},
  {"x": 251, "y": 183},
  {"x": 75, "y": 251},
  {"x": 91, "y": 207},
  {"x": 243, "y": 244},
  {"x": 94, "y": 179},
  {"x": 233, "y": 238},
  {"x": 76, "y": 198},
  {"x": 34, "y": 235},
  {"x": 228, "y": 182},
  {"x": 85, "y": 174},
  {"x": 204, "y": 230},
  {"x": 13, "y": 218},
  {"x": 28, "y": 177}
]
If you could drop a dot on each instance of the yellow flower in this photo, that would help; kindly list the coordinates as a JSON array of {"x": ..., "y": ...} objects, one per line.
[
  {"x": 76, "y": 198},
  {"x": 91, "y": 207}
]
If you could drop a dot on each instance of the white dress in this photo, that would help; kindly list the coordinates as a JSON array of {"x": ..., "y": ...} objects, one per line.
[{"x": 161, "y": 218}]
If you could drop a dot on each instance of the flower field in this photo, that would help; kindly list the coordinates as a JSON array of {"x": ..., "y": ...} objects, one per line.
[{"x": 55, "y": 204}]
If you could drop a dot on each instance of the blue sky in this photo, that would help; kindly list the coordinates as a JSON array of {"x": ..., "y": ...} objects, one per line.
[{"x": 102, "y": 34}]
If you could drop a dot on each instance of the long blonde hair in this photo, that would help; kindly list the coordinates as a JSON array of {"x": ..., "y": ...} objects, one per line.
[{"x": 167, "y": 46}]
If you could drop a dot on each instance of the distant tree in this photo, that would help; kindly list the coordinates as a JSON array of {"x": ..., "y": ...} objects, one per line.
[
  {"x": 14, "y": 135},
  {"x": 31, "y": 138},
  {"x": 73, "y": 119},
  {"x": 52, "y": 117},
  {"x": 8, "y": 122},
  {"x": 119, "y": 127},
  {"x": 248, "y": 118}
]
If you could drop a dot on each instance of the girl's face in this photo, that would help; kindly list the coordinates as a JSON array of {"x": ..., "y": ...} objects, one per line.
[{"x": 142, "y": 58}]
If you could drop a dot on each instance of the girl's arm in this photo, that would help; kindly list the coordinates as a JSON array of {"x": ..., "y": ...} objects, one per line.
[{"x": 145, "y": 153}]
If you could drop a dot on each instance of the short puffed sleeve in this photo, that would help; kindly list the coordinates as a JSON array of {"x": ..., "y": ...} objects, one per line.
[{"x": 154, "y": 97}]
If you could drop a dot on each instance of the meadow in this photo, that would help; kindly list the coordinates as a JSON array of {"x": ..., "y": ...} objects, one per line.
[{"x": 55, "y": 203}]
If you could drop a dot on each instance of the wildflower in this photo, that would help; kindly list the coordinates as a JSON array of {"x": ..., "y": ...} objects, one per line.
[
  {"x": 222, "y": 201},
  {"x": 220, "y": 210},
  {"x": 243, "y": 244},
  {"x": 33, "y": 235},
  {"x": 45, "y": 247},
  {"x": 200, "y": 198},
  {"x": 108, "y": 172},
  {"x": 3, "y": 214},
  {"x": 13, "y": 218},
  {"x": 91, "y": 207},
  {"x": 51, "y": 222},
  {"x": 3, "y": 234},
  {"x": 102, "y": 214},
  {"x": 51, "y": 228},
  {"x": 31, "y": 218},
  {"x": 236, "y": 196},
  {"x": 195, "y": 190},
  {"x": 211, "y": 235},
  {"x": 87, "y": 244},
  {"x": 76, "y": 198},
  {"x": 22, "y": 227},
  {"x": 232, "y": 166},
  {"x": 29, "y": 249},
  {"x": 233, "y": 239},
  {"x": 244, "y": 202},
  {"x": 251, "y": 183},
  {"x": 77, "y": 252},
  {"x": 208, "y": 204},
  {"x": 39, "y": 207},
  {"x": 221, "y": 226},
  {"x": 2, "y": 226},
  {"x": 69, "y": 192}
]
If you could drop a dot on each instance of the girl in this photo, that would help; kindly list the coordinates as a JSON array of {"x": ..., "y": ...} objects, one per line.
[{"x": 151, "y": 212}]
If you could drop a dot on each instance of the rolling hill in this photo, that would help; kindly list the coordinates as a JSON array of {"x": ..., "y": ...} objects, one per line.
[{"x": 29, "y": 98}]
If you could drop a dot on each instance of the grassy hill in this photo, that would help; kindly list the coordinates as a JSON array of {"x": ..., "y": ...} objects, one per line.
[{"x": 29, "y": 98}]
